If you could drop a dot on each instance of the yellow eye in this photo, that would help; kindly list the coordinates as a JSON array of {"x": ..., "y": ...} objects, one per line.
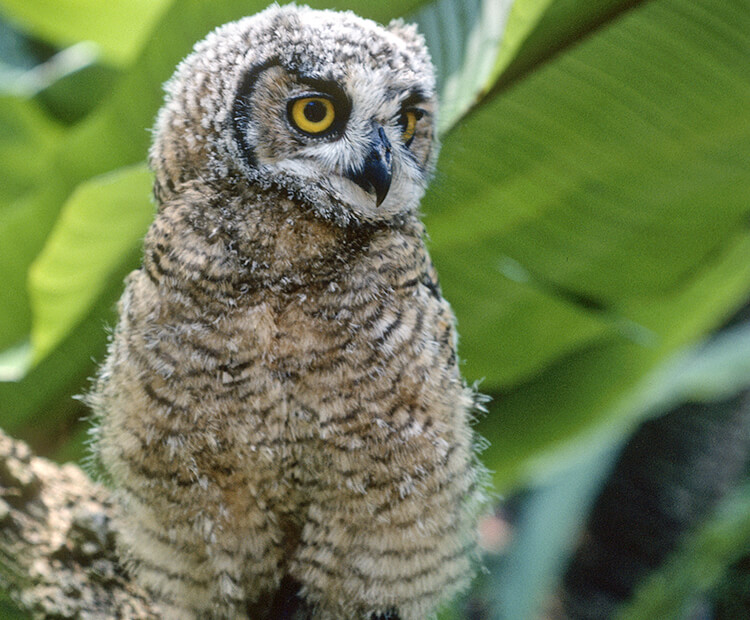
[
  {"x": 408, "y": 121},
  {"x": 313, "y": 115}
]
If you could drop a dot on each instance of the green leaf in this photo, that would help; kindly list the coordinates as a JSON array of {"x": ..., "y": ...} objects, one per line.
[
  {"x": 39, "y": 405},
  {"x": 27, "y": 139},
  {"x": 100, "y": 225},
  {"x": 523, "y": 18},
  {"x": 563, "y": 23},
  {"x": 78, "y": 91},
  {"x": 118, "y": 28},
  {"x": 593, "y": 394},
  {"x": 464, "y": 38},
  {"x": 22, "y": 230},
  {"x": 711, "y": 371},
  {"x": 471, "y": 42},
  {"x": 474, "y": 42},
  {"x": 10, "y": 611},
  {"x": 591, "y": 221},
  {"x": 28, "y": 81},
  {"x": 698, "y": 565}
]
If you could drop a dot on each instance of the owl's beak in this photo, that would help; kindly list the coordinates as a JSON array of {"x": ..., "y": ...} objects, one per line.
[{"x": 375, "y": 175}]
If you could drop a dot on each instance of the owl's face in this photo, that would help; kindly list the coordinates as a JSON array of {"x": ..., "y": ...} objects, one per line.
[{"x": 332, "y": 108}]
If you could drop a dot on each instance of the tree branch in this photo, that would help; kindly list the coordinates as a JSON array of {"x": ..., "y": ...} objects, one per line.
[{"x": 57, "y": 555}]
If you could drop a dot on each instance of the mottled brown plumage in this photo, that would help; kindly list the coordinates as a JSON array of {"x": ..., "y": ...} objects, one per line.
[{"x": 281, "y": 397}]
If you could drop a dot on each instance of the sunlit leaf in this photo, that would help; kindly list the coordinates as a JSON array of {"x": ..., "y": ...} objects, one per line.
[
  {"x": 548, "y": 27},
  {"x": 100, "y": 225},
  {"x": 118, "y": 28},
  {"x": 22, "y": 230},
  {"x": 522, "y": 19}
]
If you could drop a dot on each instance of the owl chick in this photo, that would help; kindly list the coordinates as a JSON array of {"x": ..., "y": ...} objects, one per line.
[{"x": 281, "y": 398}]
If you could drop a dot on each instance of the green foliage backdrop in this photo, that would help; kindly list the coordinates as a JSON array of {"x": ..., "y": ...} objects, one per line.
[{"x": 589, "y": 217}]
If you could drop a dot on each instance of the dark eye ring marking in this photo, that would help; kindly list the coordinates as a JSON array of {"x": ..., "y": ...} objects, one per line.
[{"x": 242, "y": 104}]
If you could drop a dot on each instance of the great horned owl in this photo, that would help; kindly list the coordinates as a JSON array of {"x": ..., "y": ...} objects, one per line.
[{"x": 281, "y": 399}]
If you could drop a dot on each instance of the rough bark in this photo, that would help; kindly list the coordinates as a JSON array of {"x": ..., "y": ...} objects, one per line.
[{"x": 56, "y": 545}]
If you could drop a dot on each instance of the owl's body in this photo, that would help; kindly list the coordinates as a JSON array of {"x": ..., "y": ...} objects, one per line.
[{"x": 281, "y": 397}]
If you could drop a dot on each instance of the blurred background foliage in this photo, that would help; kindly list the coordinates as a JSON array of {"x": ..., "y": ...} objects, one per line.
[{"x": 589, "y": 220}]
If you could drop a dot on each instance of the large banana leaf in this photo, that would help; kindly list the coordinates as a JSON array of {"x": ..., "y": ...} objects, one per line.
[{"x": 591, "y": 220}]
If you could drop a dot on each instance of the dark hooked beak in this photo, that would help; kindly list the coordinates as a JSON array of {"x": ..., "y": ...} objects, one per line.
[{"x": 375, "y": 176}]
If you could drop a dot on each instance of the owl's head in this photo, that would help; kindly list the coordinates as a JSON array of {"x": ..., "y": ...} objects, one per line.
[{"x": 329, "y": 107}]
